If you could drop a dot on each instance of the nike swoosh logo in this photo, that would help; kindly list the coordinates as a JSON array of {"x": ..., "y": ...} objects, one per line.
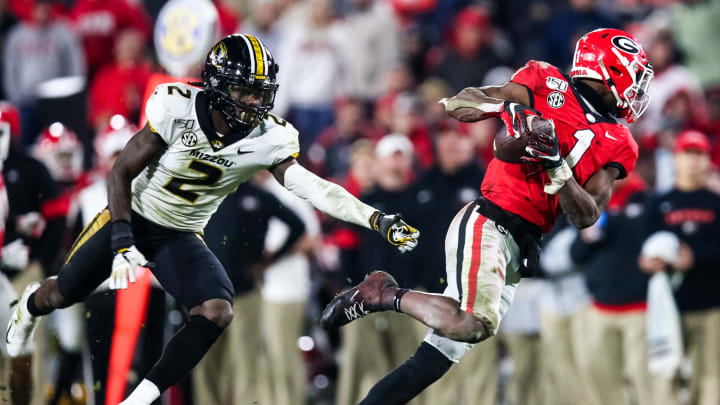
[
  {"x": 607, "y": 135},
  {"x": 242, "y": 152}
]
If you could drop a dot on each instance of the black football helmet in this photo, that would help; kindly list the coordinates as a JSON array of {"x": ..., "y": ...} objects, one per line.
[{"x": 238, "y": 68}]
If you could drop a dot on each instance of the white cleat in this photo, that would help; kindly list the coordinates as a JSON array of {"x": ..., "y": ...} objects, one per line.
[{"x": 22, "y": 325}]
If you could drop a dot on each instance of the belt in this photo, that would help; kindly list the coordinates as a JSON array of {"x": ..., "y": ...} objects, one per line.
[{"x": 526, "y": 234}]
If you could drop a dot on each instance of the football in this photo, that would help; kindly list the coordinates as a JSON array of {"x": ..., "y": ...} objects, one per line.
[{"x": 510, "y": 149}]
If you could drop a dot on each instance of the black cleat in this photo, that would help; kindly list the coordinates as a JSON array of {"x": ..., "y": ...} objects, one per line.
[{"x": 374, "y": 294}]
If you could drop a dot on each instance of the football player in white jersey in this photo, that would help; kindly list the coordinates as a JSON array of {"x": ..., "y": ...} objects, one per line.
[{"x": 199, "y": 144}]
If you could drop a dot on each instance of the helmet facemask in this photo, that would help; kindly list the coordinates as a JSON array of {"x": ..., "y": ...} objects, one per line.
[{"x": 244, "y": 106}]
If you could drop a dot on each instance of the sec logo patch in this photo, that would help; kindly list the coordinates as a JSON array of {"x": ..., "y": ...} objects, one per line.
[
  {"x": 556, "y": 99},
  {"x": 189, "y": 139}
]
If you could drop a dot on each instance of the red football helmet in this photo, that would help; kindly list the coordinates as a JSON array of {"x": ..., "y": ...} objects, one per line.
[
  {"x": 618, "y": 60},
  {"x": 111, "y": 141},
  {"x": 9, "y": 127},
  {"x": 60, "y": 150}
]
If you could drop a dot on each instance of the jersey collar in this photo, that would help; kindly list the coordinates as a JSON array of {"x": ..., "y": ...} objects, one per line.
[
  {"x": 591, "y": 102},
  {"x": 217, "y": 141}
]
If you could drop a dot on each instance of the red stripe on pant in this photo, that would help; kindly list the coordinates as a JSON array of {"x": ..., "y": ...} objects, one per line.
[{"x": 475, "y": 257}]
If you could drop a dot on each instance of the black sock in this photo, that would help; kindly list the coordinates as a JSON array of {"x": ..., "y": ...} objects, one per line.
[
  {"x": 33, "y": 309},
  {"x": 425, "y": 367},
  {"x": 184, "y": 351}
]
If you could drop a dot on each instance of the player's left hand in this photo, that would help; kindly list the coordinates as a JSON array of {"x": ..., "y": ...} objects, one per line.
[
  {"x": 124, "y": 264},
  {"x": 396, "y": 231},
  {"x": 545, "y": 151}
]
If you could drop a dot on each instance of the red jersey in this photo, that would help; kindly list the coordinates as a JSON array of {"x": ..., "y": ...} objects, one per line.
[{"x": 588, "y": 141}]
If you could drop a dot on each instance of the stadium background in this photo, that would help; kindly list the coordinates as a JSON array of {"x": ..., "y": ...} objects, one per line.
[{"x": 360, "y": 79}]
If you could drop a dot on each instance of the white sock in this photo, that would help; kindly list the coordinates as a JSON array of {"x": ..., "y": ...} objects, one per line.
[{"x": 144, "y": 394}]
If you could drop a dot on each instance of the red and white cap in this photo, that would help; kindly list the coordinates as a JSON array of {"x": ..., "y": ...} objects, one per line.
[
  {"x": 112, "y": 140},
  {"x": 60, "y": 150},
  {"x": 692, "y": 140}
]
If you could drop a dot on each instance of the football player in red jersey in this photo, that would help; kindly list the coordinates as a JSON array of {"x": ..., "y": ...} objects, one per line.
[{"x": 493, "y": 241}]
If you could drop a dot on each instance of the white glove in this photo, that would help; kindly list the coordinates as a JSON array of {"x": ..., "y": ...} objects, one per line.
[
  {"x": 31, "y": 224},
  {"x": 123, "y": 267},
  {"x": 15, "y": 255}
]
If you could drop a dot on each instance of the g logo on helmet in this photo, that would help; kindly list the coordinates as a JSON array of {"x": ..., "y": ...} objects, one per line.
[
  {"x": 218, "y": 55},
  {"x": 625, "y": 44}
]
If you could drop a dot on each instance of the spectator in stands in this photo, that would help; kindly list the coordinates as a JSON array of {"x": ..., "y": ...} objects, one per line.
[
  {"x": 370, "y": 349},
  {"x": 567, "y": 25},
  {"x": 285, "y": 293},
  {"x": 330, "y": 155},
  {"x": 98, "y": 24},
  {"x": 429, "y": 92},
  {"x": 561, "y": 312},
  {"x": 36, "y": 51},
  {"x": 446, "y": 187},
  {"x": 311, "y": 66},
  {"x": 118, "y": 87},
  {"x": 614, "y": 349},
  {"x": 692, "y": 212},
  {"x": 229, "y": 372},
  {"x": 470, "y": 56},
  {"x": 36, "y": 217},
  {"x": 671, "y": 79},
  {"x": 7, "y": 21},
  {"x": 262, "y": 23},
  {"x": 371, "y": 44},
  {"x": 406, "y": 119},
  {"x": 519, "y": 333}
]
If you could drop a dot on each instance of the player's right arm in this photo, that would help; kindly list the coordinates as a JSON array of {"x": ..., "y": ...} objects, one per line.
[
  {"x": 510, "y": 102},
  {"x": 142, "y": 148},
  {"x": 479, "y": 103}
]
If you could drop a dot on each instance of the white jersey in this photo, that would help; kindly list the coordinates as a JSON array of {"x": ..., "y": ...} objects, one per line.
[{"x": 184, "y": 187}]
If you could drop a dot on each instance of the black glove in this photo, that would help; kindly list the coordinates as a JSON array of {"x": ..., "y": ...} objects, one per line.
[{"x": 395, "y": 230}]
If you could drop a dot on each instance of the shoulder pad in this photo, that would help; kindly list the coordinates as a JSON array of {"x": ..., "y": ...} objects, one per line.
[{"x": 168, "y": 101}]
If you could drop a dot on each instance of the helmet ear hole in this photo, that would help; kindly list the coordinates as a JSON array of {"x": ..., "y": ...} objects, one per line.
[
  {"x": 616, "y": 70},
  {"x": 276, "y": 67}
]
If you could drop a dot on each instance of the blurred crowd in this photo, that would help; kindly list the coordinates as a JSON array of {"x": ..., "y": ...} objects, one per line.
[{"x": 360, "y": 80}]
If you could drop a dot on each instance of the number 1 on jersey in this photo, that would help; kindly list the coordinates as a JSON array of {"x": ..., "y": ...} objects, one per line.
[{"x": 584, "y": 140}]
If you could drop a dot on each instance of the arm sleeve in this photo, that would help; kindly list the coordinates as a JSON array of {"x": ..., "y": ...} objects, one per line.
[{"x": 327, "y": 197}]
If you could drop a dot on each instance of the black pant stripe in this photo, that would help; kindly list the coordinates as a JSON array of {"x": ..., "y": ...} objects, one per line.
[{"x": 461, "y": 249}]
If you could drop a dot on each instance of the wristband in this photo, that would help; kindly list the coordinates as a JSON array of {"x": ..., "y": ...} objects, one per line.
[
  {"x": 374, "y": 219},
  {"x": 121, "y": 235},
  {"x": 558, "y": 177}
]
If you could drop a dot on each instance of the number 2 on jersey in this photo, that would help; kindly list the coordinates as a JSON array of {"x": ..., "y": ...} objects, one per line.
[
  {"x": 212, "y": 175},
  {"x": 584, "y": 140}
]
